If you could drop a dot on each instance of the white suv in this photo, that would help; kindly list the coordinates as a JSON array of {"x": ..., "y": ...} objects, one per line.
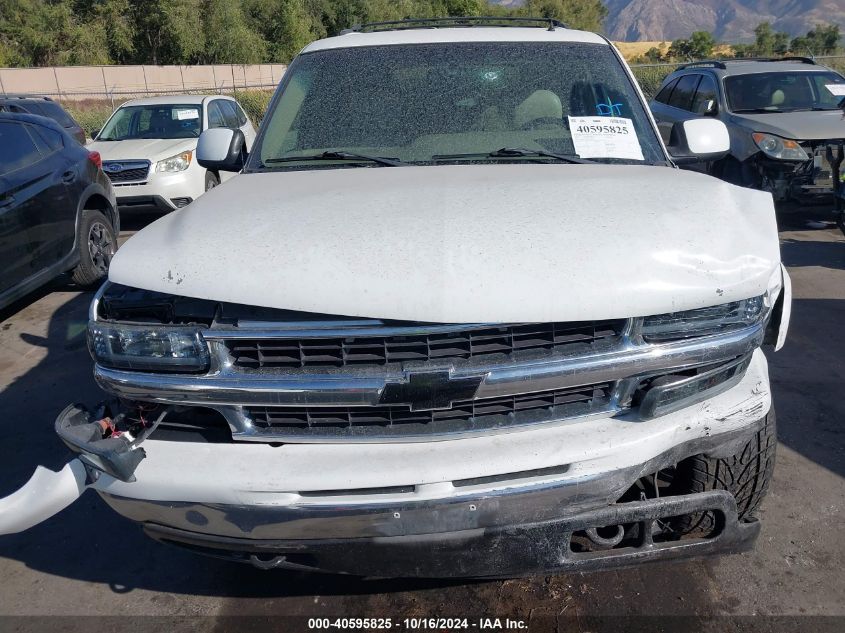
[
  {"x": 460, "y": 315},
  {"x": 148, "y": 148}
]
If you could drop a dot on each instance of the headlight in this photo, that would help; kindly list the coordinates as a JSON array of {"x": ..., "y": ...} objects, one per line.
[
  {"x": 179, "y": 162},
  {"x": 148, "y": 347},
  {"x": 779, "y": 148},
  {"x": 716, "y": 320}
]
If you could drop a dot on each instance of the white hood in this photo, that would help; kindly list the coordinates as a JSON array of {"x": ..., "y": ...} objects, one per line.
[
  {"x": 151, "y": 149},
  {"x": 491, "y": 243}
]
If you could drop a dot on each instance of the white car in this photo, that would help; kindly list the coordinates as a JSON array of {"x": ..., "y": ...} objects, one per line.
[
  {"x": 460, "y": 315},
  {"x": 148, "y": 148}
]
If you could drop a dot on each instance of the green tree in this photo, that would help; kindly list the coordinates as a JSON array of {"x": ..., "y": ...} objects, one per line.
[
  {"x": 577, "y": 14},
  {"x": 466, "y": 7},
  {"x": 168, "y": 31},
  {"x": 767, "y": 41},
  {"x": 699, "y": 46},
  {"x": 652, "y": 56},
  {"x": 822, "y": 40},
  {"x": 229, "y": 39},
  {"x": 49, "y": 33}
]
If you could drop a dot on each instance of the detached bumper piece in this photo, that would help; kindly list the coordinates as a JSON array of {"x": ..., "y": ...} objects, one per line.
[
  {"x": 106, "y": 439},
  {"x": 624, "y": 534}
]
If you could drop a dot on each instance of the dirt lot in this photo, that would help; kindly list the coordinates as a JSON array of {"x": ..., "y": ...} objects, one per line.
[{"x": 87, "y": 561}]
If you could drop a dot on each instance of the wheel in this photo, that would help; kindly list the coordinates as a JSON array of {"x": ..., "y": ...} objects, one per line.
[
  {"x": 211, "y": 180},
  {"x": 745, "y": 475},
  {"x": 97, "y": 245}
]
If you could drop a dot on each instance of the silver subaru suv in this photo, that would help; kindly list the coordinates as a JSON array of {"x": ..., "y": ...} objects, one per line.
[{"x": 784, "y": 117}]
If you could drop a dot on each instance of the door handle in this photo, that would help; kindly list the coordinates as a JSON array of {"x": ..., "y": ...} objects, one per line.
[{"x": 69, "y": 176}]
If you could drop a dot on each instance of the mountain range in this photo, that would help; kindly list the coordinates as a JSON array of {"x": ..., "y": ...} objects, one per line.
[{"x": 727, "y": 20}]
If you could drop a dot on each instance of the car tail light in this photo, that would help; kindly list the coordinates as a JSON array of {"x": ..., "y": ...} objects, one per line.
[{"x": 95, "y": 158}]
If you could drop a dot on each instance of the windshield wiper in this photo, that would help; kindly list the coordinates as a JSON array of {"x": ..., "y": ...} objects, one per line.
[
  {"x": 516, "y": 152},
  {"x": 338, "y": 155}
]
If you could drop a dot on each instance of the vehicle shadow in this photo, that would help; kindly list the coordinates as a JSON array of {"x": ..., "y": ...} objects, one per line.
[
  {"x": 88, "y": 541},
  {"x": 807, "y": 377},
  {"x": 135, "y": 220},
  {"x": 809, "y": 252}
]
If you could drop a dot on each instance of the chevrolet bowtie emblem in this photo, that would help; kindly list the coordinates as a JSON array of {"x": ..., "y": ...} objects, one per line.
[{"x": 426, "y": 391}]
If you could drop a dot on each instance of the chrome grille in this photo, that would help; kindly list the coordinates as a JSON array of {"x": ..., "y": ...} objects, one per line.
[
  {"x": 126, "y": 172},
  {"x": 473, "y": 342},
  {"x": 482, "y": 414}
]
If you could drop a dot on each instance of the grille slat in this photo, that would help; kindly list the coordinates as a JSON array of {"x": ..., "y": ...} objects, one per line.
[
  {"x": 400, "y": 420},
  {"x": 129, "y": 175},
  {"x": 370, "y": 350}
]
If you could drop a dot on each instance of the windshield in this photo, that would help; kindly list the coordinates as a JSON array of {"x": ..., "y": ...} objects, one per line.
[
  {"x": 783, "y": 91},
  {"x": 153, "y": 121},
  {"x": 432, "y": 103}
]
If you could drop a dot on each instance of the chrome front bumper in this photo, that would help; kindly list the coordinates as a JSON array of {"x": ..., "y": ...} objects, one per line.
[
  {"x": 500, "y": 552},
  {"x": 467, "y": 505}
]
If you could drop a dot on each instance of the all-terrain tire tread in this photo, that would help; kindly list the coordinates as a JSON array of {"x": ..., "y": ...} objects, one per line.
[{"x": 746, "y": 475}]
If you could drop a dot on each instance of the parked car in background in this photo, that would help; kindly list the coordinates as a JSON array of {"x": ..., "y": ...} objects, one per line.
[
  {"x": 43, "y": 106},
  {"x": 451, "y": 319},
  {"x": 58, "y": 211},
  {"x": 783, "y": 116},
  {"x": 148, "y": 148}
]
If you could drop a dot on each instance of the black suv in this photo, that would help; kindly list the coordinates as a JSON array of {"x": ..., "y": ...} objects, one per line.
[
  {"x": 57, "y": 208},
  {"x": 43, "y": 106}
]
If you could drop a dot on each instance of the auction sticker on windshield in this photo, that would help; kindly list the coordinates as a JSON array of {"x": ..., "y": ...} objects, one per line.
[
  {"x": 604, "y": 137},
  {"x": 190, "y": 113},
  {"x": 837, "y": 90}
]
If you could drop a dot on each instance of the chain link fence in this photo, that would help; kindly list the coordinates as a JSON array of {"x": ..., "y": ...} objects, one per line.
[{"x": 91, "y": 93}]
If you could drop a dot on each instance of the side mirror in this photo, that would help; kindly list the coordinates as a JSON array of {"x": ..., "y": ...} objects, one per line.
[
  {"x": 94, "y": 134},
  {"x": 698, "y": 140},
  {"x": 710, "y": 108},
  {"x": 221, "y": 149}
]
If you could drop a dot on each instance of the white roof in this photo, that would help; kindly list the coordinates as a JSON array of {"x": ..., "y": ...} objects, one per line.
[
  {"x": 455, "y": 34},
  {"x": 174, "y": 99}
]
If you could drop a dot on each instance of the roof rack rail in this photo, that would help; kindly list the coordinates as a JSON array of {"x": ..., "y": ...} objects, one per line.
[
  {"x": 720, "y": 63},
  {"x": 19, "y": 95},
  {"x": 707, "y": 63},
  {"x": 434, "y": 23},
  {"x": 788, "y": 58}
]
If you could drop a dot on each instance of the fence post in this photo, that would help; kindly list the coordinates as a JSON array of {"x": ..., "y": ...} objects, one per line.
[
  {"x": 182, "y": 75},
  {"x": 56, "y": 77},
  {"x": 146, "y": 87},
  {"x": 232, "y": 68}
]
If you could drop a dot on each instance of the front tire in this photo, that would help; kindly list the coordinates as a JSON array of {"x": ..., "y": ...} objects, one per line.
[
  {"x": 746, "y": 475},
  {"x": 211, "y": 180},
  {"x": 97, "y": 245}
]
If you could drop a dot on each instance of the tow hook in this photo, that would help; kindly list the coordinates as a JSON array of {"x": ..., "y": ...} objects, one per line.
[{"x": 606, "y": 541}]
